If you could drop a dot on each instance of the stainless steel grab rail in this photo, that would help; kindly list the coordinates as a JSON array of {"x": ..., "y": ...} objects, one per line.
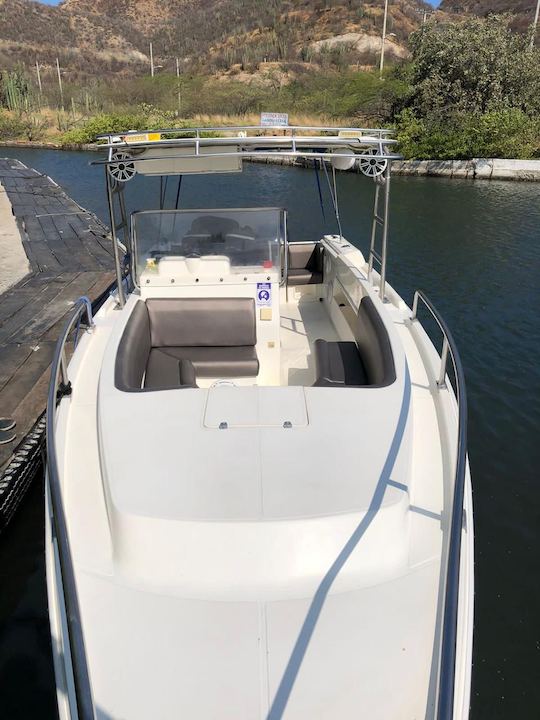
[
  {"x": 83, "y": 690},
  {"x": 447, "y": 661}
]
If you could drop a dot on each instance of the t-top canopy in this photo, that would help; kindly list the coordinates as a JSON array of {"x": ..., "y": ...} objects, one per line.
[{"x": 176, "y": 151}]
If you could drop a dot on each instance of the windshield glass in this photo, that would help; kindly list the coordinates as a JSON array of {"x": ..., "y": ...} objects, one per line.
[{"x": 245, "y": 239}]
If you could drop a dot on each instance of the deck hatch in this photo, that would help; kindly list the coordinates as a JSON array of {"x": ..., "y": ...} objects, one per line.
[{"x": 255, "y": 407}]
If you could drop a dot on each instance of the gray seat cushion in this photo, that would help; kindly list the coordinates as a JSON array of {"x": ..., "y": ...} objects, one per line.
[
  {"x": 305, "y": 264},
  {"x": 303, "y": 276},
  {"x": 374, "y": 344},
  {"x": 218, "y": 362},
  {"x": 198, "y": 322},
  {"x": 133, "y": 351},
  {"x": 165, "y": 371},
  {"x": 338, "y": 363}
]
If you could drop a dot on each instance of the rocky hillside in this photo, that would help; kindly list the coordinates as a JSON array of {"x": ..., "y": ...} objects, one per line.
[
  {"x": 522, "y": 10},
  {"x": 108, "y": 36},
  {"x": 114, "y": 35}
]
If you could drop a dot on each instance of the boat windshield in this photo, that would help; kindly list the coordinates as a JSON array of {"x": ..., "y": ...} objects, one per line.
[{"x": 245, "y": 239}]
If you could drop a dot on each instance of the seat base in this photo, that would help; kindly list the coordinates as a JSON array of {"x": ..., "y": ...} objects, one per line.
[{"x": 218, "y": 362}]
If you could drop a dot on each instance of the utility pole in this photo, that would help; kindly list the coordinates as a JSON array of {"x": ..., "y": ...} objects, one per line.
[
  {"x": 151, "y": 60},
  {"x": 384, "y": 38},
  {"x": 178, "y": 81},
  {"x": 60, "y": 83},
  {"x": 424, "y": 13},
  {"x": 38, "y": 77},
  {"x": 535, "y": 23}
]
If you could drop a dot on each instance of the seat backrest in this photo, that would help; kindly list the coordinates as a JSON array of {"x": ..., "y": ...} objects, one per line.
[
  {"x": 202, "y": 322},
  {"x": 374, "y": 345},
  {"x": 305, "y": 256},
  {"x": 133, "y": 350}
]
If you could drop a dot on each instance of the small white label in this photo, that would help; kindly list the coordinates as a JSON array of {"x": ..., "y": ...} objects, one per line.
[
  {"x": 269, "y": 119},
  {"x": 264, "y": 294}
]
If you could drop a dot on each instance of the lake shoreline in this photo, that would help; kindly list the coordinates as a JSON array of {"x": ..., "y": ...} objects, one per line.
[{"x": 474, "y": 169}]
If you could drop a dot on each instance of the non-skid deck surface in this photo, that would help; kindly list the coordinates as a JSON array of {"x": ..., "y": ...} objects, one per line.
[
  {"x": 302, "y": 323},
  {"x": 69, "y": 255}
]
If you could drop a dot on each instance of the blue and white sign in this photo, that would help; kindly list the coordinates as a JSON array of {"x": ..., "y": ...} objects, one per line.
[
  {"x": 264, "y": 294},
  {"x": 270, "y": 119}
]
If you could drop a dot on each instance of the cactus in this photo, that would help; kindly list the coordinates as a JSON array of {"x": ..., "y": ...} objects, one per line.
[{"x": 14, "y": 90}]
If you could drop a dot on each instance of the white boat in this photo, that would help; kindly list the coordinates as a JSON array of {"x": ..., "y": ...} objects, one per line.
[{"x": 258, "y": 500}]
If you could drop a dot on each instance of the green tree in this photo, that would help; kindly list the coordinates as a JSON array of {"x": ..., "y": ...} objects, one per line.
[{"x": 476, "y": 66}]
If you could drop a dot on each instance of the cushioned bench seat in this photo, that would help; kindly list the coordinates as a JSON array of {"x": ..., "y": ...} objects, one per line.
[
  {"x": 367, "y": 362},
  {"x": 167, "y": 343},
  {"x": 214, "y": 362},
  {"x": 305, "y": 264}
]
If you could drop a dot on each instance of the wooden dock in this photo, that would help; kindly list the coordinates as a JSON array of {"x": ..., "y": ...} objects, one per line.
[{"x": 69, "y": 254}]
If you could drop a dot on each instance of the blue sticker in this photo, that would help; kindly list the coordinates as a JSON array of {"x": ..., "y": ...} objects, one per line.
[{"x": 264, "y": 294}]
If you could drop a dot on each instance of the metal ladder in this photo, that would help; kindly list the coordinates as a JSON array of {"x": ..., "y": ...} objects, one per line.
[{"x": 380, "y": 221}]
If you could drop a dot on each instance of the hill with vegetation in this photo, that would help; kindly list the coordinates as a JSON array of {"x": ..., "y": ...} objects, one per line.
[
  {"x": 522, "y": 11},
  {"x": 206, "y": 35}
]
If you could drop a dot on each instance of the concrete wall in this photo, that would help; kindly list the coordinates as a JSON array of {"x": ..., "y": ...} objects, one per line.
[{"x": 478, "y": 168}]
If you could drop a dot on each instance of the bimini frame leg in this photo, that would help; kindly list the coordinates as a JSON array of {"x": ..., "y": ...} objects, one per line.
[
  {"x": 116, "y": 254},
  {"x": 385, "y": 229}
]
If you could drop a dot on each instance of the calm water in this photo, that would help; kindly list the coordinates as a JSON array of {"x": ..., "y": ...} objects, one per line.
[{"x": 475, "y": 249}]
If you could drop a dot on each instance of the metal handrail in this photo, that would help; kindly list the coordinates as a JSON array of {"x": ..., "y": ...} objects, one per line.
[
  {"x": 83, "y": 689},
  {"x": 288, "y": 130},
  {"x": 447, "y": 661}
]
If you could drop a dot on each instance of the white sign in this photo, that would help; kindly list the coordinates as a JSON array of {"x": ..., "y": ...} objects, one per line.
[
  {"x": 264, "y": 294},
  {"x": 269, "y": 119}
]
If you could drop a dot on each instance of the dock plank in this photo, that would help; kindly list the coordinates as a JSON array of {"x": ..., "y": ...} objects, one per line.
[
  {"x": 70, "y": 255},
  {"x": 33, "y": 307},
  {"x": 20, "y": 393},
  {"x": 56, "y": 309}
]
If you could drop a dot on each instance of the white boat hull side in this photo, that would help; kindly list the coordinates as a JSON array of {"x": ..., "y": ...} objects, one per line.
[{"x": 263, "y": 606}]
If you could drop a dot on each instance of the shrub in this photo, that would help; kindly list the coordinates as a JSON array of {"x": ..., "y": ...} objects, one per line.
[
  {"x": 475, "y": 66},
  {"x": 506, "y": 133},
  {"x": 11, "y": 127},
  {"x": 101, "y": 124},
  {"x": 33, "y": 126}
]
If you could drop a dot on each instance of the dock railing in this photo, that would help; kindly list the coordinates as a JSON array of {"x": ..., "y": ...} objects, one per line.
[
  {"x": 448, "y": 654},
  {"x": 59, "y": 387}
]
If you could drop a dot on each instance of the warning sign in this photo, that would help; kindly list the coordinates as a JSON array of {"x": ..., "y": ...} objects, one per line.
[
  {"x": 271, "y": 119},
  {"x": 264, "y": 294}
]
